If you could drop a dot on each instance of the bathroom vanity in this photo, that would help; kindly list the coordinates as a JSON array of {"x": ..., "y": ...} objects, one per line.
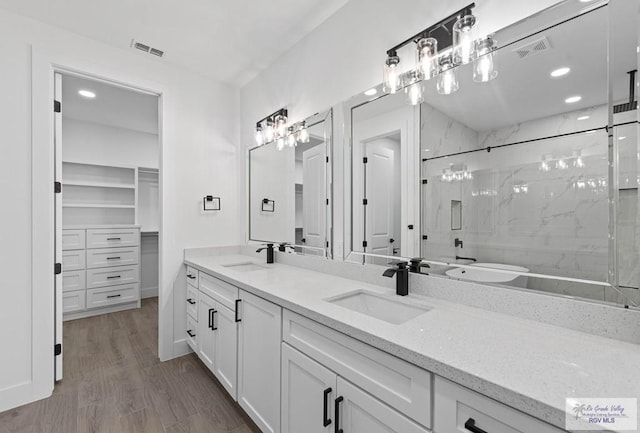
[{"x": 307, "y": 351}]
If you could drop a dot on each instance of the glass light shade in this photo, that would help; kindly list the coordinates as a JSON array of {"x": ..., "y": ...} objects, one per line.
[
  {"x": 270, "y": 132},
  {"x": 415, "y": 94},
  {"x": 303, "y": 135},
  {"x": 483, "y": 66},
  {"x": 281, "y": 125},
  {"x": 464, "y": 39},
  {"x": 280, "y": 143},
  {"x": 291, "y": 137},
  {"x": 259, "y": 135},
  {"x": 392, "y": 81},
  {"x": 448, "y": 78},
  {"x": 427, "y": 57}
]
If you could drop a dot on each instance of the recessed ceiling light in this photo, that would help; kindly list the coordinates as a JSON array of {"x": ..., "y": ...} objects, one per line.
[
  {"x": 86, "y": 94},
  {"x": 371, "y": 92},
  {"x": 583, "y": 117},
  {"x": 621, "y": 138},
  {"x": 560, "y": 72},
  {"x": 573, "y": 99}
]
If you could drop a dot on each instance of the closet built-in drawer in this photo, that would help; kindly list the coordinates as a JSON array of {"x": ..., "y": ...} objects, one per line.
[
  {"x": 105, "y": 296},
  {"x": 112, "y": 276},
  {"x": 192, "y": 302},
  {"x": 219, "y": 290},
  {"x": 73, "y": 301},
  {"x": 107, "y": 238},
  {"x": 192, "y": 276},
  {"x": 73, "y": 239},
  {"x": 107, "y": 257},
  {"x": 73, "y": 260},
  {"x": 73, "y": 280},
  {"x": 459, "y": 409},
  {"x": 192, "y": 338},
  {"x": 402, "y": 385}
]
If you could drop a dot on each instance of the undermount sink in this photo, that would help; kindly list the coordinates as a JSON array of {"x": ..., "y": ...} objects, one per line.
[
  {"x": 378, "y": 306},
  {"x": 491, "y": 273},
  {"x": 245, "y": 267}
]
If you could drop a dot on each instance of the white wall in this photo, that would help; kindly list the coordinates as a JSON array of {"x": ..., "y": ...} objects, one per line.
[
  {"x": 345, "y": 55},
  {"x": 101, "y": 144},
  {"x": 199, "y": 156}
]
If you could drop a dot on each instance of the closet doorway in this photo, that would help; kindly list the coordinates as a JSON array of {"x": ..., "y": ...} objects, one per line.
[{"x": 107, "y": 219}]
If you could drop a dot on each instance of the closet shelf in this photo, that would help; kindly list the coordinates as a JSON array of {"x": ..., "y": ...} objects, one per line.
[
  {"x": 98, "y": 206},
  {"x": 99, "y": 185}
]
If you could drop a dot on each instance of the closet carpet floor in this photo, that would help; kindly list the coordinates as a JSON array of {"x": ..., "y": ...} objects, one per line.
[{"x": 114, "y": 383}]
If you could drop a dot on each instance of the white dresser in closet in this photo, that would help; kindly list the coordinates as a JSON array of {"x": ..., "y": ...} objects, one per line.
[{"x": 100, "y": 270}]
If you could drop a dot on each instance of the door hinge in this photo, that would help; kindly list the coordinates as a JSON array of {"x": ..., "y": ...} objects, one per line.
[
  {"x": 425, "y": 237},
  {"x": 57, "y": 349},
  {"x": 327, "y": 244},
  {"x": 410, "y": 226},
  {"x": 57, "y": 268},
  {"x": 57, "y": 187},
  {"x": 327, "y": 202},
  {"x": 365, "y": 160},
  {"x": 57, "y": 107},
  {"x": 327, "y": 159},
  {"x": 365, "y": 202},
  {"x": 425, "y": 181},
  {"x": 364, "y": 244}
]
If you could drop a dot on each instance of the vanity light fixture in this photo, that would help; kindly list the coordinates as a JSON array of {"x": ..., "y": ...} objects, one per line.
[
  {"x": 483, "y": 66},
  {"x": 303, "y": 133},
  {"x": 414, "y": 93},
  {"x": 456, "y": 173},
  {"x": 276, "y": 127},
  {"x": 259, "y": 135},
  {"x": 448, "y": 78},
  {"x": 428, "y": 57},
  {"x": 270, "y": 132},
  {"x": 86, "y": 94},
  {"x": 391, "y": 73},
  {"x": 291, "y": 137},
  {"x": 573, "y": 99},
  {"x": 464, "y": 39},
  {"x": 560, "y": 72}
]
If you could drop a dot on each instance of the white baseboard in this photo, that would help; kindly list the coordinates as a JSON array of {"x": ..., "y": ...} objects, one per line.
[
  {"x": 148, "y": 292},
  {"x": 98, "y": 311}
]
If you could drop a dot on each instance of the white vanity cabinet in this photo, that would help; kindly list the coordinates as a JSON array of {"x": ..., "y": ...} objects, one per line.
[
  {"x": 206, "y": 331},
  {"x": 259, "y": 337}
]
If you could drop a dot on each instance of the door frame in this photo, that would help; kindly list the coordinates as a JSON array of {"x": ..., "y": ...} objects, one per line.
[{"x": 45, "y": 63}]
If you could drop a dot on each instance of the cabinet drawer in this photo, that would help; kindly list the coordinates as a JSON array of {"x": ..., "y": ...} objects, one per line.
[
  {"x": 107, "y": 257},
  {"x": 219, "y": 290},
  {"x": 456, "y": 405},
  {"x": 105, "y": 238},
  {"x": 73, "y": 260},
  {"x": 192, "y": 302},
  {"x": 402, "y": 385},
  {"x": 73, "y": 239},
  {"x": 106, "y": 296},
  {"x": 192, "y": 329},
  {"x": 192, "y": 276},
  {"x": 73, "y": 301},
  {"x": 73, "y": 280},
  {"x": 112, "y": 276}
]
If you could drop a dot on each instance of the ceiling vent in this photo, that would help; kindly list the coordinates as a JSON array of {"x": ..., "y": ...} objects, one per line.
[
  {"x": 146, "y": 48},
  {"x": 532, "y": 48}
]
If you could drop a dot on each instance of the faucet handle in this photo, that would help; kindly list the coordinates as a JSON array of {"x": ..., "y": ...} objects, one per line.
[
  {"x": 283, "y": 247},
  {"x": 401, "y": 264}
]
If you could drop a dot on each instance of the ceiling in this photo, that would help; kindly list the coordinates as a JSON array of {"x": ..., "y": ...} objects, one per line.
[
  {"x": 113, "y": 105},
  {"x": 227, "y": 40}
]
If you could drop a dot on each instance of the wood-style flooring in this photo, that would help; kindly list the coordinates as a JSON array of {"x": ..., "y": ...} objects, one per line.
[{"x": 114, "y": 383}]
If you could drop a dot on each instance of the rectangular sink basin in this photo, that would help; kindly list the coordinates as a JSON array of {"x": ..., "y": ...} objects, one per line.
[
  {"x": 378, "y": 306},
  {"x": 245, "y": 267}
]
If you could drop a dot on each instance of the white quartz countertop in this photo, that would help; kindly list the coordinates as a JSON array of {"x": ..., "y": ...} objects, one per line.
[{"x": 527, "y": 365}]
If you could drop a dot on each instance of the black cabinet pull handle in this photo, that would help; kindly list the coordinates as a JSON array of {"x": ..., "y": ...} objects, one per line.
[
  {"x": 191, "y": 276},
  {"x": 113, "y": 258},
  {"x": 111, "y": 278},
  {"x": 191, "y": 301},
  {"x": 113, "y": 239},
  {"x": 114, "y": 296},
  {"x": 211, "y": 311},
  {"x": 238, "y": 319},
  {"x": 337, "y": 414},
  {"x": 213, "y": 320},
  {"x": 325, "y": 410},
  {"x": 471, "y": 426},
  {"x": 191, "y": 334}
]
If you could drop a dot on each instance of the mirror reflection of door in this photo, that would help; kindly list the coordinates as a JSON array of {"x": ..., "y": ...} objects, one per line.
[
  {"x": 310, "y": 196},
  {"x": 382, "y": 193}
]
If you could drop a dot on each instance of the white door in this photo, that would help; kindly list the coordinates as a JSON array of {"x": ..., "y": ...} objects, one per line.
[
  {"x": 58, "y": 224},
  {"x": 206, "y": 333},
  {"x": 382, "y": 192},
  {"x": 259, "y": 337},
  {"x": 225, "y": 366},
  {"x": 314, "y": 196},
  {"x": 359, "y": 412},
  {"x": 308, "y": 394}
]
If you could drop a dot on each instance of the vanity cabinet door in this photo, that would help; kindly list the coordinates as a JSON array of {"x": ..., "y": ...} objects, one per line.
[
  {"x": 259, "y": 338},
  {"x": 308, "y": 394},
  {"x": 359, "y": 412},
  {"x": 226, "y": 349},
  {"x": 206, "y": 332}
]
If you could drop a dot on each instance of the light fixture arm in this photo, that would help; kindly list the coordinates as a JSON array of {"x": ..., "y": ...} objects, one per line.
[
  {"x": 443, "y": 27},
  {"x": 282, "y": 111}
]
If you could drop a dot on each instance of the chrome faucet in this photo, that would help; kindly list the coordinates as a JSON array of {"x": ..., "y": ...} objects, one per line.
[
  {"x": 401, "y": 272},
  {"x": 269, "y": 248}
]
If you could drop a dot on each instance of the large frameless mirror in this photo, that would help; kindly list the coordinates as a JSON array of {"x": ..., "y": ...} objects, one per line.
[
  {"x": 526, "y": 151},
  {"x": 290, "y": 189}
]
